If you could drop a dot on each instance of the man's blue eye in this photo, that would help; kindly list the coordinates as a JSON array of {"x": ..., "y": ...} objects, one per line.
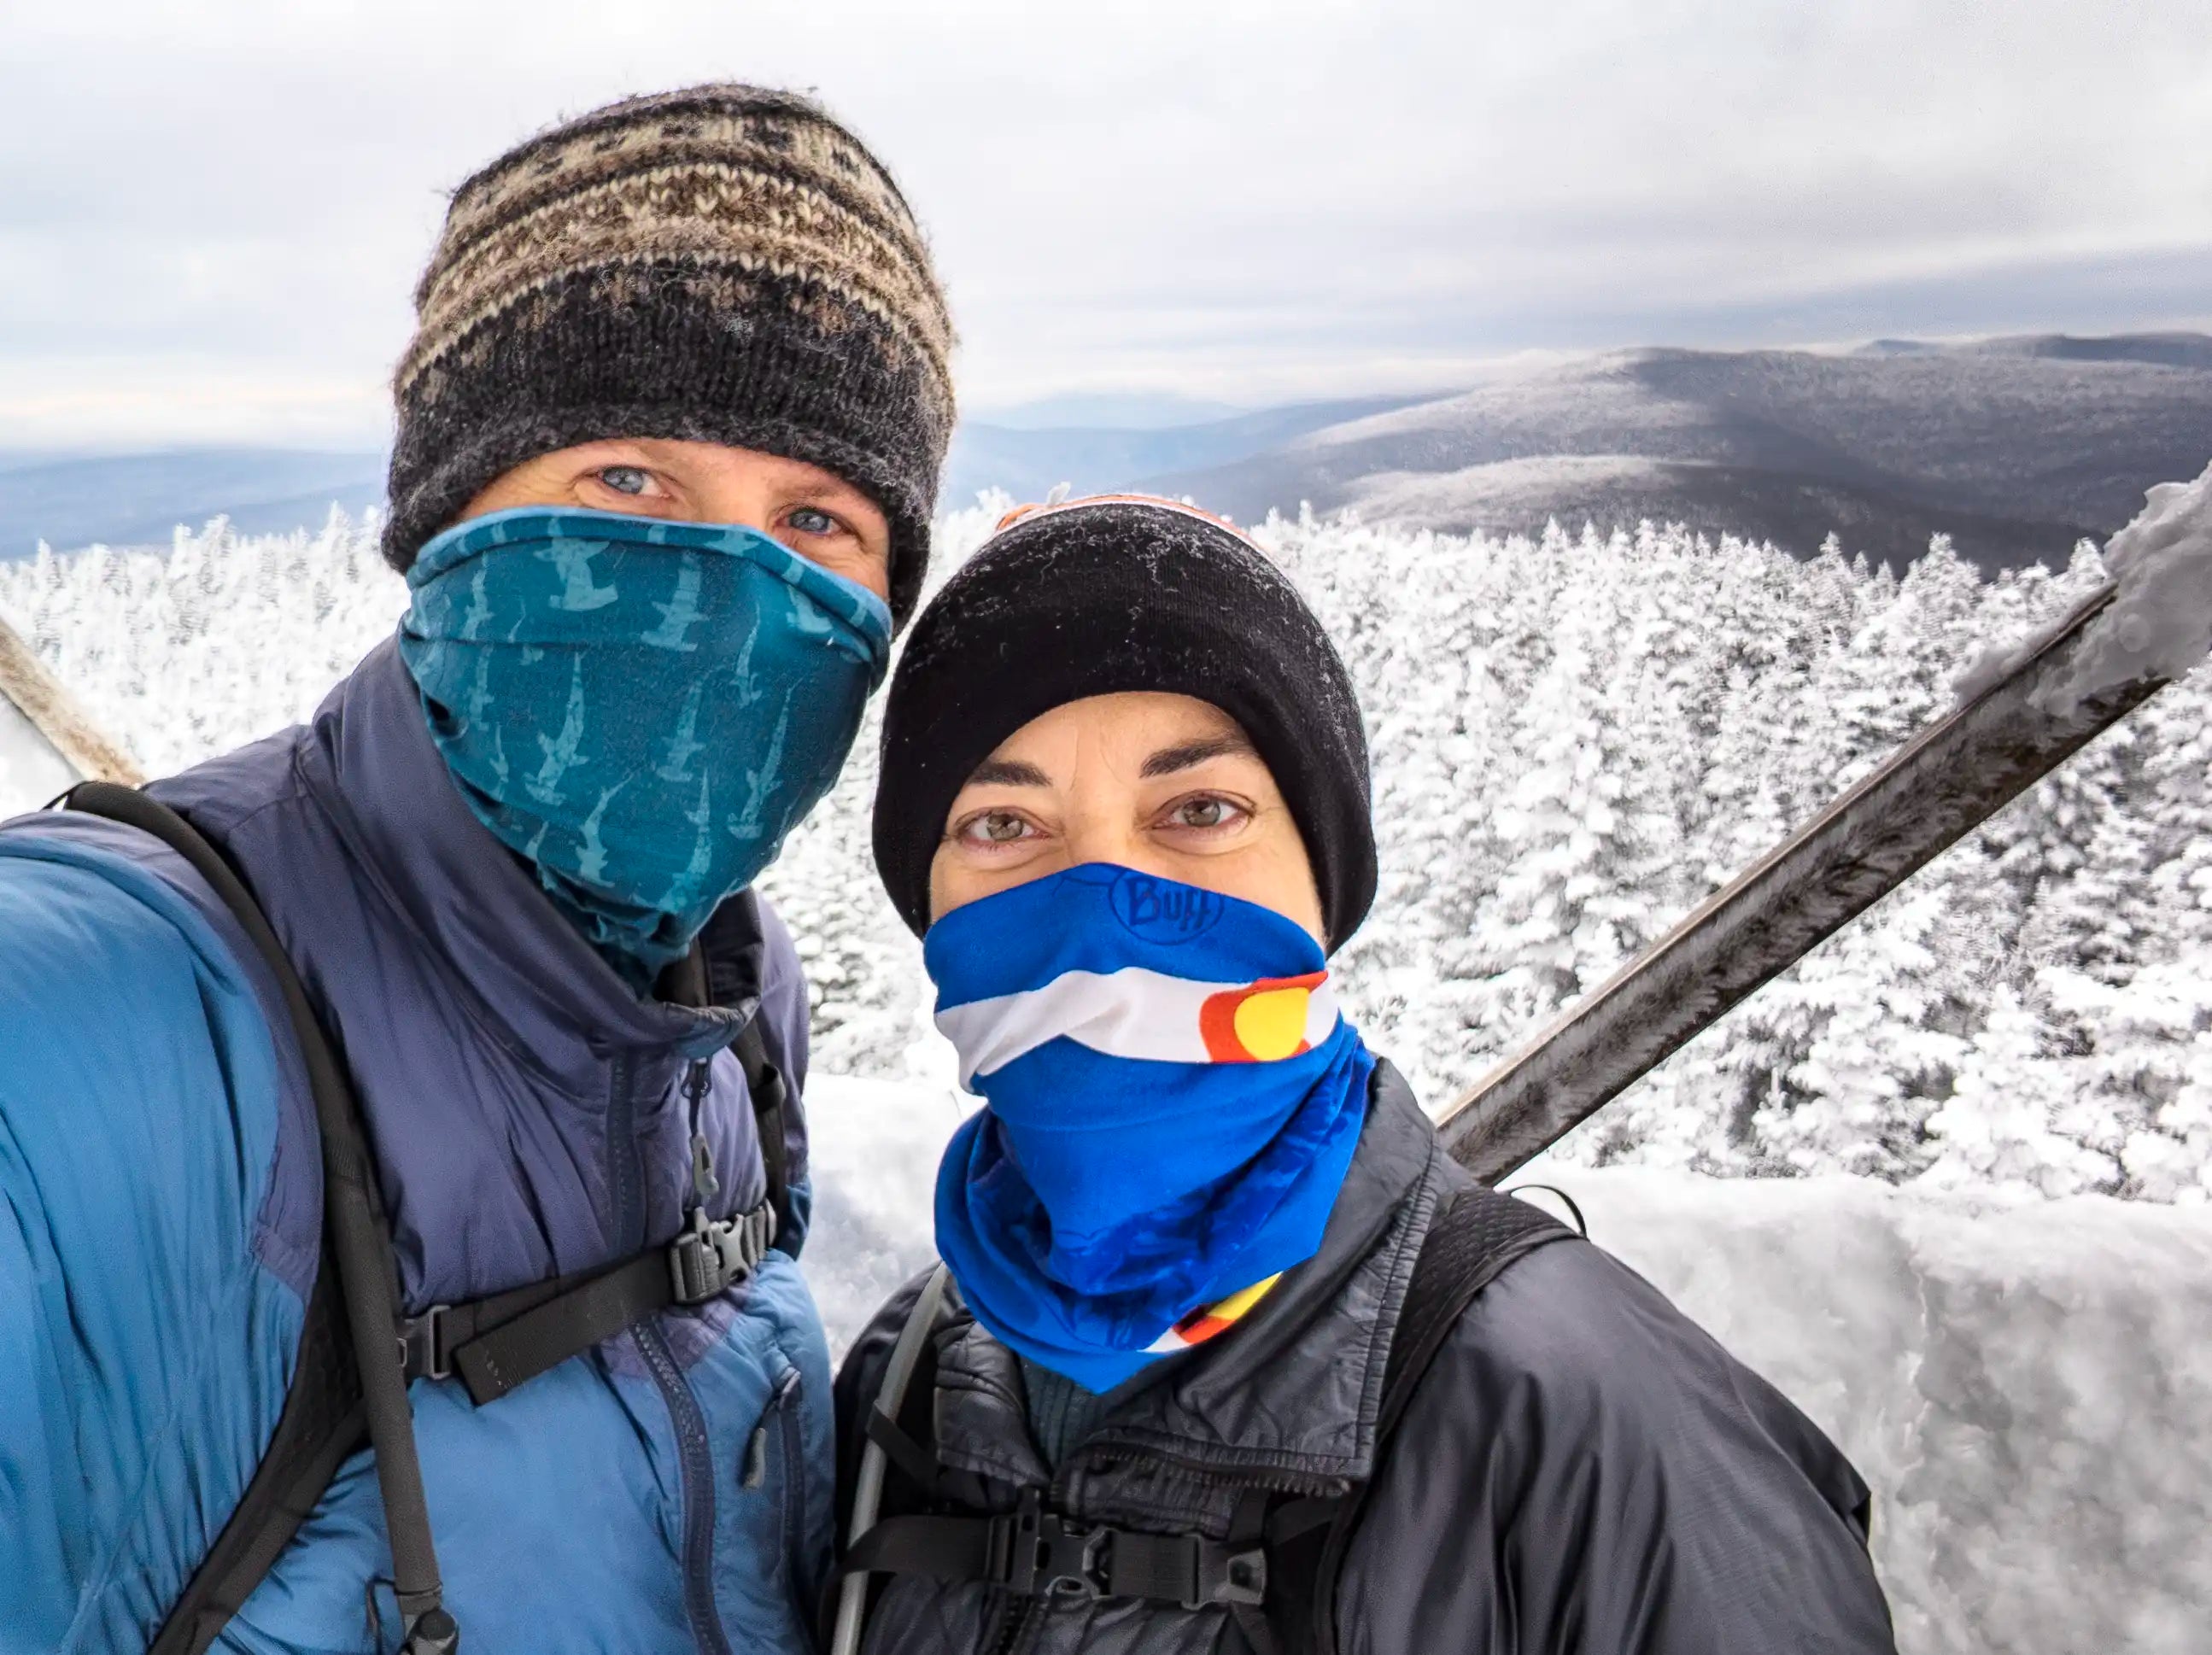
[
  {"x": 809, "y": 521},
  {"x": 623, "y": 479}
]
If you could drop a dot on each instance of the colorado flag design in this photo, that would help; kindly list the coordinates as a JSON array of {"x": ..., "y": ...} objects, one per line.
[{"x": 1136, "y": 1012}]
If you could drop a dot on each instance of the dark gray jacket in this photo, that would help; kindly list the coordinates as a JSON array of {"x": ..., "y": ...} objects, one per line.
[{"x": 1582, "y": 1469}]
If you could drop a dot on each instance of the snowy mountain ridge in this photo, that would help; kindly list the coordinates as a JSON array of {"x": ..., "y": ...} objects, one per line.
[
  {"x": 1576, "y": 739},
  {"x": 2016, "y": 448}
]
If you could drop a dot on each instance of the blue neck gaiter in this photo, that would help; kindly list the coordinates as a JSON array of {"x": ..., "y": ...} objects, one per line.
[
  {"x": 640, "y": 709},
  {"x": 1173, "y": 1101}
]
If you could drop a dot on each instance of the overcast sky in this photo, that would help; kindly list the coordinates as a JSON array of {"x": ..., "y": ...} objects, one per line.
[{"x": 212, "y": 216}]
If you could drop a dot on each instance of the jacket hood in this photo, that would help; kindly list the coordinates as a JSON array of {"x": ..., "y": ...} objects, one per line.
[
  {"x": 526, "y": 1106},
  {"x": 370, "y": 766}
]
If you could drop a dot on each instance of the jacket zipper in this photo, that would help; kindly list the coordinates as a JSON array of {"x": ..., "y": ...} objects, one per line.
[
  {"x": 784, "y": 1405},
  {"x": 695, "y": 1453},
  {"x": 698, "y": 1474},
  {"x": 1277, "y": 1483},
  {"x": 1019, "y": 1614}
]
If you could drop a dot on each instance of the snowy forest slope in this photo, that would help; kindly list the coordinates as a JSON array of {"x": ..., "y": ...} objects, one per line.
[{"x": 1576, "y": 739}]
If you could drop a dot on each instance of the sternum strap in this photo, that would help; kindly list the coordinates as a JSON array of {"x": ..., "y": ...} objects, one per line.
[
  {"x": 495, "y": 1344},
  {"x": 1038, "y": 1553}
]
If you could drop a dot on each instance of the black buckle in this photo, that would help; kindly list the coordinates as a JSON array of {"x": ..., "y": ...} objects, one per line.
[
  {"x": 1040, "y": 1553},
  {"x": 423, "y": 1353},
  {"x": 1224, "y": 1576},
  {"x": 1044, "y": 1555}
]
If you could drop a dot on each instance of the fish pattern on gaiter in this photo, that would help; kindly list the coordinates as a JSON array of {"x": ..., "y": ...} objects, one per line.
[{"x": 641, "y": 709}]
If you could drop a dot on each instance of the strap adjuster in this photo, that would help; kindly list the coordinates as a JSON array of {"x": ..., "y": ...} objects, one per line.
[
  {"x": 423, "y": 1352},
  {"x": 1228, "y": 1576},
  {"x": 715, "y": 1254},
  {"x": 1040, "y": 1554},
  {"x": 1045, "y": 1555}
]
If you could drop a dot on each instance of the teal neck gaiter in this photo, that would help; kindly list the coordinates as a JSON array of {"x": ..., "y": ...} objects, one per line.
[{"x": 639, "y": 709}]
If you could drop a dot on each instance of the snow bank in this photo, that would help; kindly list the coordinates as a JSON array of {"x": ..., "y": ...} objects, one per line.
[
  {"x": 2024, "y": 1383},
  {"x": 2161, "y": 622},
  {"x": 873, "y": 1145},
  {"x": 2025, "y": 1386}
]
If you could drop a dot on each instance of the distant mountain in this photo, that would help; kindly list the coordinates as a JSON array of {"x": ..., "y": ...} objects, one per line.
[
  {"x": 1027, "y": 464},
  {"x": 1110, "y": 410},
  {"x": 2015, "y": 447},
  {"x": 2162, "y": 349},
  {"x": 128, "y": 500}
]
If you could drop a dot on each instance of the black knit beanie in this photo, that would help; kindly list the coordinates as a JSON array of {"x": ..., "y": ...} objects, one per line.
[
  {"x": 1101, "y": 595},
  {"x": 723, "y": 264}
]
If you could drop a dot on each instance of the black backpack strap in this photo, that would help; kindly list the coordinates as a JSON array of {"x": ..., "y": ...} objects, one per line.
[
  {"x": 1472, "y": 1240},
  {"x": 912, "y": 1356},
  {"x": 321, "y": 1424},
  {"x": 770, "y": 1096},
  {"x": 495, "y": 1344},
  {"x": 358, "y": 1243}
]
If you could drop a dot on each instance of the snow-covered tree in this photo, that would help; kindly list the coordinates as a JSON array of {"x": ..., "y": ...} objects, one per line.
[{"x": 1577, "y": 737}]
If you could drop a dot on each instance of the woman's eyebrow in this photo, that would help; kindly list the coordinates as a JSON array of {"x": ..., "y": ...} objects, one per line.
[
  {"x": 1185, "y": 755},
  {"x": 1007, "y": 772}
]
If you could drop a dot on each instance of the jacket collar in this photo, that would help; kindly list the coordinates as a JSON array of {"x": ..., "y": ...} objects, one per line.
[
  {"x": 369, "y": 763},
  {"x": 1293, "y": 1391}
]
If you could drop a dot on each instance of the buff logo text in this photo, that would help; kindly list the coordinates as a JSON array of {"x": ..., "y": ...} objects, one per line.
[{"x": 1158, "y": 910}]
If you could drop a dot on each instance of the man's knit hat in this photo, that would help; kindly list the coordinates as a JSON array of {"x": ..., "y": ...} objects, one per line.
[
  {"x": 1100, "y": 596},
  {"x": 725, "y": 264}
]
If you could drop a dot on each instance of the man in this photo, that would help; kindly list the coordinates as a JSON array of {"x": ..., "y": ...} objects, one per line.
[
  {"x": 668, "y": 443},
  {"x": 1226, "y": 1355}
]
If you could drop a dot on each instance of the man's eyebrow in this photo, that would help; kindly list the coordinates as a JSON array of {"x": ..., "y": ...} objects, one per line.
[
  {"x": 1007, "y": 772},
  {"x": 1188, "y": 755}
]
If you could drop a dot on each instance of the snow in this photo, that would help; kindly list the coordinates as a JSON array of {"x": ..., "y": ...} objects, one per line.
[
  {"x": 2159, "y": 624},
  {"x": 1576, "y": 739},
  {"x": 2022, "y": 1383},
  {"x": 873, "y": 1147},
  {"x": 2162, "y": 621},
  {"x": 31, "y": 771},
  {"x": 221, "y": 639}
]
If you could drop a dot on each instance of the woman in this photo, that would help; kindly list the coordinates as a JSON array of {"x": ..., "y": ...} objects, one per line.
[{"x": 1153, "y": 1400}]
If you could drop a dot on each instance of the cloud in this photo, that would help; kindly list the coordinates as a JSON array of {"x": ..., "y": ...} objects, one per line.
[{"x": 1221, "y": 198}]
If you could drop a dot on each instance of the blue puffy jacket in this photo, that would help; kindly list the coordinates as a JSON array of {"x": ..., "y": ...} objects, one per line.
[{"x": 160, "y": 1199}]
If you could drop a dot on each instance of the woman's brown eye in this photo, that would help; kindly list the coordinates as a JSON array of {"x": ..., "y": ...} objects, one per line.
[
  {"x": 1204, "y": 812},
  {"x": 995, "y": 828}
]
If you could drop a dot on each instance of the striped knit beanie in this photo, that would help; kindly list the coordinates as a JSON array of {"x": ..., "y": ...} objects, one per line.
[{"x": 724, "y": 264}]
